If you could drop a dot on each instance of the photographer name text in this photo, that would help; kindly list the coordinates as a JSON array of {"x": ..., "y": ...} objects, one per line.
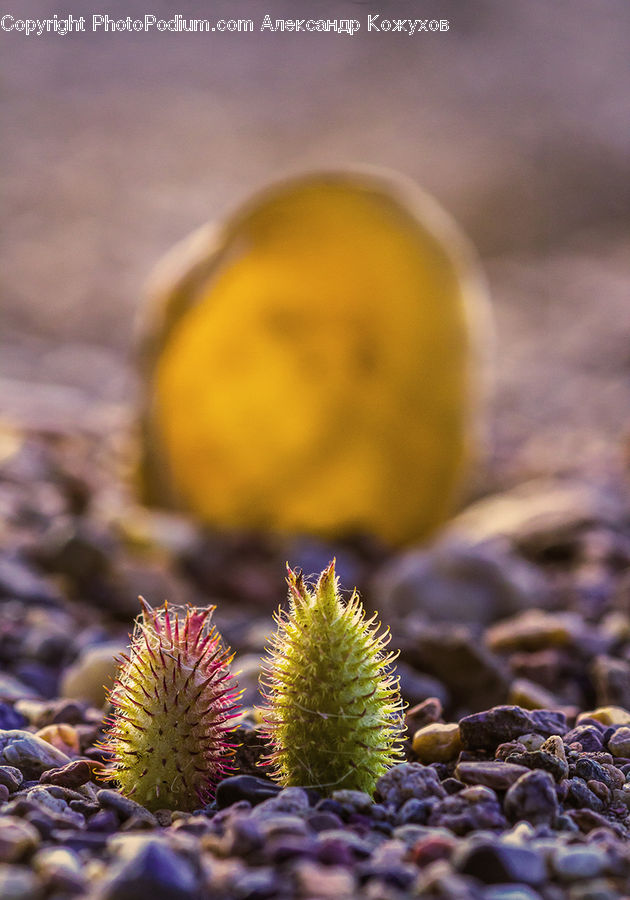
[{"x": 104, "y": 23}]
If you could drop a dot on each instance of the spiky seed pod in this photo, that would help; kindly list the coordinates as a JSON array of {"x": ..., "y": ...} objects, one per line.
[
  {"x": 333, "y": 709},
  {"x": 173, "y": 703}
]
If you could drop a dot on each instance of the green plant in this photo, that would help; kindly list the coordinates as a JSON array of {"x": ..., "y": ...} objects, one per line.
[
  {"x": 333, "y": 710},
  {"x": 173, "y": 703}
]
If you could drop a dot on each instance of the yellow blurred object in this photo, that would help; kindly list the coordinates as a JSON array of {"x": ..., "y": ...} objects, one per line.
[{"x": 314, "y": 364}]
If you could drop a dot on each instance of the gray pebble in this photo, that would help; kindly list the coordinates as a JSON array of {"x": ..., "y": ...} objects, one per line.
[
  {"x": 29, "y": 753},
  {"x": 532, "y": 798}
]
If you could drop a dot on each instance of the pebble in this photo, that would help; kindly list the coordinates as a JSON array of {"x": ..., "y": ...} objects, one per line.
[
  {"x": 607, "y": 715},
  {"x": 244, "y": 787},
  {"x": 408, "y": 780},
  {"x": 578, "y": 862},
  {"x": 496, "y": 863},
  {"x": 124, "y": 807},
  {"x": 154, "y": 871},
  {"x": 536, "y": 629},
  {"x": 326, "y": 882},
  {"x": 19, "y": 883},
  {"x": 619, "y": 742},
  {"x": 425, "y": 713},
  {"x": 11, "y": 778},
  {"x": 10, "y": 718},
  {"x": 88, "y": 677},
  {"x": 486, "y": 730},
  {"x": 471, "y": 809},
  {"x": 29, "y": 753},
  {"x": 458, "y": 581},
  {"x": 73, "y": 775},
  {"x": 437, "y": 742},
  {"x": 454, "y": 654},
  {"x": 17, "y": 839},
  {"x": 532, "y": 798},
  {"x": 496, "y": 775}
]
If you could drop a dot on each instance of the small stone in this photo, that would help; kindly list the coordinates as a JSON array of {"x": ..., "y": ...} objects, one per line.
[
  {"x": 87, "y": 678},
  {"x": 496, "y": 775},
  {"x": 18, "y": 839},
  {"x": 60, "y": 868},
  {"x": 245, "y": 787},
  {"x": 619, "y": 743},
  {"x": 316, "y": 880},
  {"x": 437, "y": 742},
  {"x": 73, "y": 775},
  {"x": 416, "y": 686},
  {"x": 472, "y": 809},
  {"x": 529, "y": 695},
  {"x": 63, "y": 737},
  {"x": 607, "y": 715},
  {"x": 12, "y": 689},
  {"x": 486, "y": 730},
  {"x": 408, "y": 780},
  {"x": 532, "y": 798},
  {"x": 534, "y": 630},
  {"x": 611, "y": 678},
  {"x": 11, "y": 778},
  {"x": 590, "y": 737},
  {"x": 454, "y": 655},
  {"x": 415, "y": 811},
  {"x": 510, "y": 892},
  {"x": 19, "y": 883},
  {"x": 153, "y": 871},
  {"x": 458, "y": 581},
  {"x": 10, "y": 718},
  {"x": 581, "y": 797},
  {"x": 576, "y": 863},
  {"x": 551, "y": 757},
  {"x": 425, "y": 713},
  {"x": 291, "y": 800},
  {"x": 124, "y": 807},
  {"x": 29, "y": 753},
  {"x": 495, "y": 863},
  {"x": 531, "y": 741}
]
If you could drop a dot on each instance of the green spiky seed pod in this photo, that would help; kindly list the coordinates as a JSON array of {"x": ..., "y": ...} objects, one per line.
[
  {"x": 173, "y": 703},
  {"x": 333, "y": 709}
]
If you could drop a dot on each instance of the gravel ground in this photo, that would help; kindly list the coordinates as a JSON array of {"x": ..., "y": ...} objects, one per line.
[{"x": 514, "y": 632}]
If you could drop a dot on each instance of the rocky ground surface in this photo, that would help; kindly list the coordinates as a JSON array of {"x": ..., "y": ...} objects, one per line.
[{"x": 514, "y": 631}]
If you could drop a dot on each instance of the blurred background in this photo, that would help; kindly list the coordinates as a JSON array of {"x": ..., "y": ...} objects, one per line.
[{"x": 117, "y": 145}]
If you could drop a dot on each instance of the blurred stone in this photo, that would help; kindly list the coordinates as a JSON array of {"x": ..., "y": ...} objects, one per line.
[
  {"x": 19, "y": 883},
  {"x": 536, "y": 630},
  {"x": 18, "y": 580},
  {"x": 543, "y": 513},
  {"x": 88, "y": 677},
  {"x": 415, "y": 687},
  {"x": 607, "y": 715},
  {"x": 471, "y": 674},
  {"x": 17, "y": 839},
  {"x": 529, "y": 695},
  {"x": 458, "y": 582},
  {"x": 611, "y": 678}
]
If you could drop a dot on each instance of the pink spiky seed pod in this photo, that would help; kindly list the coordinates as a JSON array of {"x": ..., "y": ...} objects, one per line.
[{"x": 173, "y": 705}]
